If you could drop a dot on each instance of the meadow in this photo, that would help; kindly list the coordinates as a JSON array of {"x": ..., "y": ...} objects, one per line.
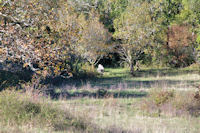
[{"x": 154, "y": 101}]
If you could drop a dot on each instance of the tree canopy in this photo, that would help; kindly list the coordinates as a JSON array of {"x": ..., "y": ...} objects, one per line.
[{"x": 56, "y": 37}]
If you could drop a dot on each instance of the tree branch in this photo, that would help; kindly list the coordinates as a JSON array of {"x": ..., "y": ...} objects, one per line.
[
  {"x": 14, "y": 20},
  {"x": 97, "y": 61}
]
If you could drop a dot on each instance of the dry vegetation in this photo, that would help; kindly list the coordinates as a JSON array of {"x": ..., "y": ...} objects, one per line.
[
  {"x": 30, "y": 112},
  {"x": 135, "y": 115}
]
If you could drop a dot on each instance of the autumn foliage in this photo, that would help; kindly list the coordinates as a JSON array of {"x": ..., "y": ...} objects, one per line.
[
  {"x": 181, "y": 45},
  {"x": 28, "y": 39}
]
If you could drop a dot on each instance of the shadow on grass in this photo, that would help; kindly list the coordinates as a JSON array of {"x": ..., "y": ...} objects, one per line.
[
  {"x": 99, "y": 93},
  {"x": 144, "y": 84},
  {"x": 144, "y": 79},
  {"x": 117, "y": 79}
]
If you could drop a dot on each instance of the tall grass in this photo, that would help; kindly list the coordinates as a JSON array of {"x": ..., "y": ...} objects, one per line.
[
  {"x": 173, "y": 103},
  {"x": 29, "y": 111},
  {"x": 167, "y": 115}
]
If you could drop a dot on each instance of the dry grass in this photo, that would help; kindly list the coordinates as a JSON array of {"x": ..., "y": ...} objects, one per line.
[
  {"x": 126, "y": 115},
  {"x": 29, "y": 112}
]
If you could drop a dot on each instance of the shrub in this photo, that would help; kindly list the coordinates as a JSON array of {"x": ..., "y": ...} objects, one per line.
[
  {"x": 156, "y": 100},
  {"x": 21, "y": 109},
  {"x": 166, "y": 102},
  {"x": 180, "y": 46},
  {"x": 194, "y": 107},
  {"x": 160, "y": 97}
]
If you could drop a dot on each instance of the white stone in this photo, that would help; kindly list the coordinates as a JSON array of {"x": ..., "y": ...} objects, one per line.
[{"x": 100, "y": 69}]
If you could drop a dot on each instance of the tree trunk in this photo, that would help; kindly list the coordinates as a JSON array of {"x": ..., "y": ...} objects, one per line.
[
  {"x": 132, "y": 69},
  {"x": 137, "y": 66},
  {"x": 93, "y": 67}
]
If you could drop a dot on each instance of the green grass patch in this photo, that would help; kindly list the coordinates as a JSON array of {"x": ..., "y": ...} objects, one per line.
[{"x": 146, "y": 78}]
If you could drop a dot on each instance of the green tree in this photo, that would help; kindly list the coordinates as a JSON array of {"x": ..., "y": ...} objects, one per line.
[
  {"x": 173, "y": 13},
  {"x": 108, "y": 9},
  {"x": 94, "y": 41},
  {"x": 191, "y": 15},
  {"x": 135, "y": 29}
]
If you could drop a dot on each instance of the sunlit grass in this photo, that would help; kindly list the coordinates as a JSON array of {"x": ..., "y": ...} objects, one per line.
[{"x": 147, "y": 78}]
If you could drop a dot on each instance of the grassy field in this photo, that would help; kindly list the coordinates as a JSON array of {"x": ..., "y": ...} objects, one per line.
[
  {"x": 124, "y": 112},
  {"x": 125, "y": 115},
  {"x": 154, "y": 101},
  {"x": 150, "y": 78},
  {"x": 146, "y": 79}
]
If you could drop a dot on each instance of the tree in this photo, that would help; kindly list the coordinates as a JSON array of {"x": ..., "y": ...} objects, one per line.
[
  {"x": 191, "y": 15},
  {"x": 93, "y": 44},
  {"x": 135, "y": 29},
  {"x": 164, "y": 15},
  {"x": 179, "y": 24},
  {"x": 181, "y": 46},
  {"x": 108, "y": 10},
  {"x": 32, "y": 38}
]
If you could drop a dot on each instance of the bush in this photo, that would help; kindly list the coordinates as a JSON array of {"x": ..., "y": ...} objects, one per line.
[
  {"x": 180, "y": 46},
  {"x": 156, "y": 100},
  {"x": 160, "y": 97},
  {"x": 21, "y": 109},
  {"x": 166, "y": 102},
  {"x": 17, "y": 109}
]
